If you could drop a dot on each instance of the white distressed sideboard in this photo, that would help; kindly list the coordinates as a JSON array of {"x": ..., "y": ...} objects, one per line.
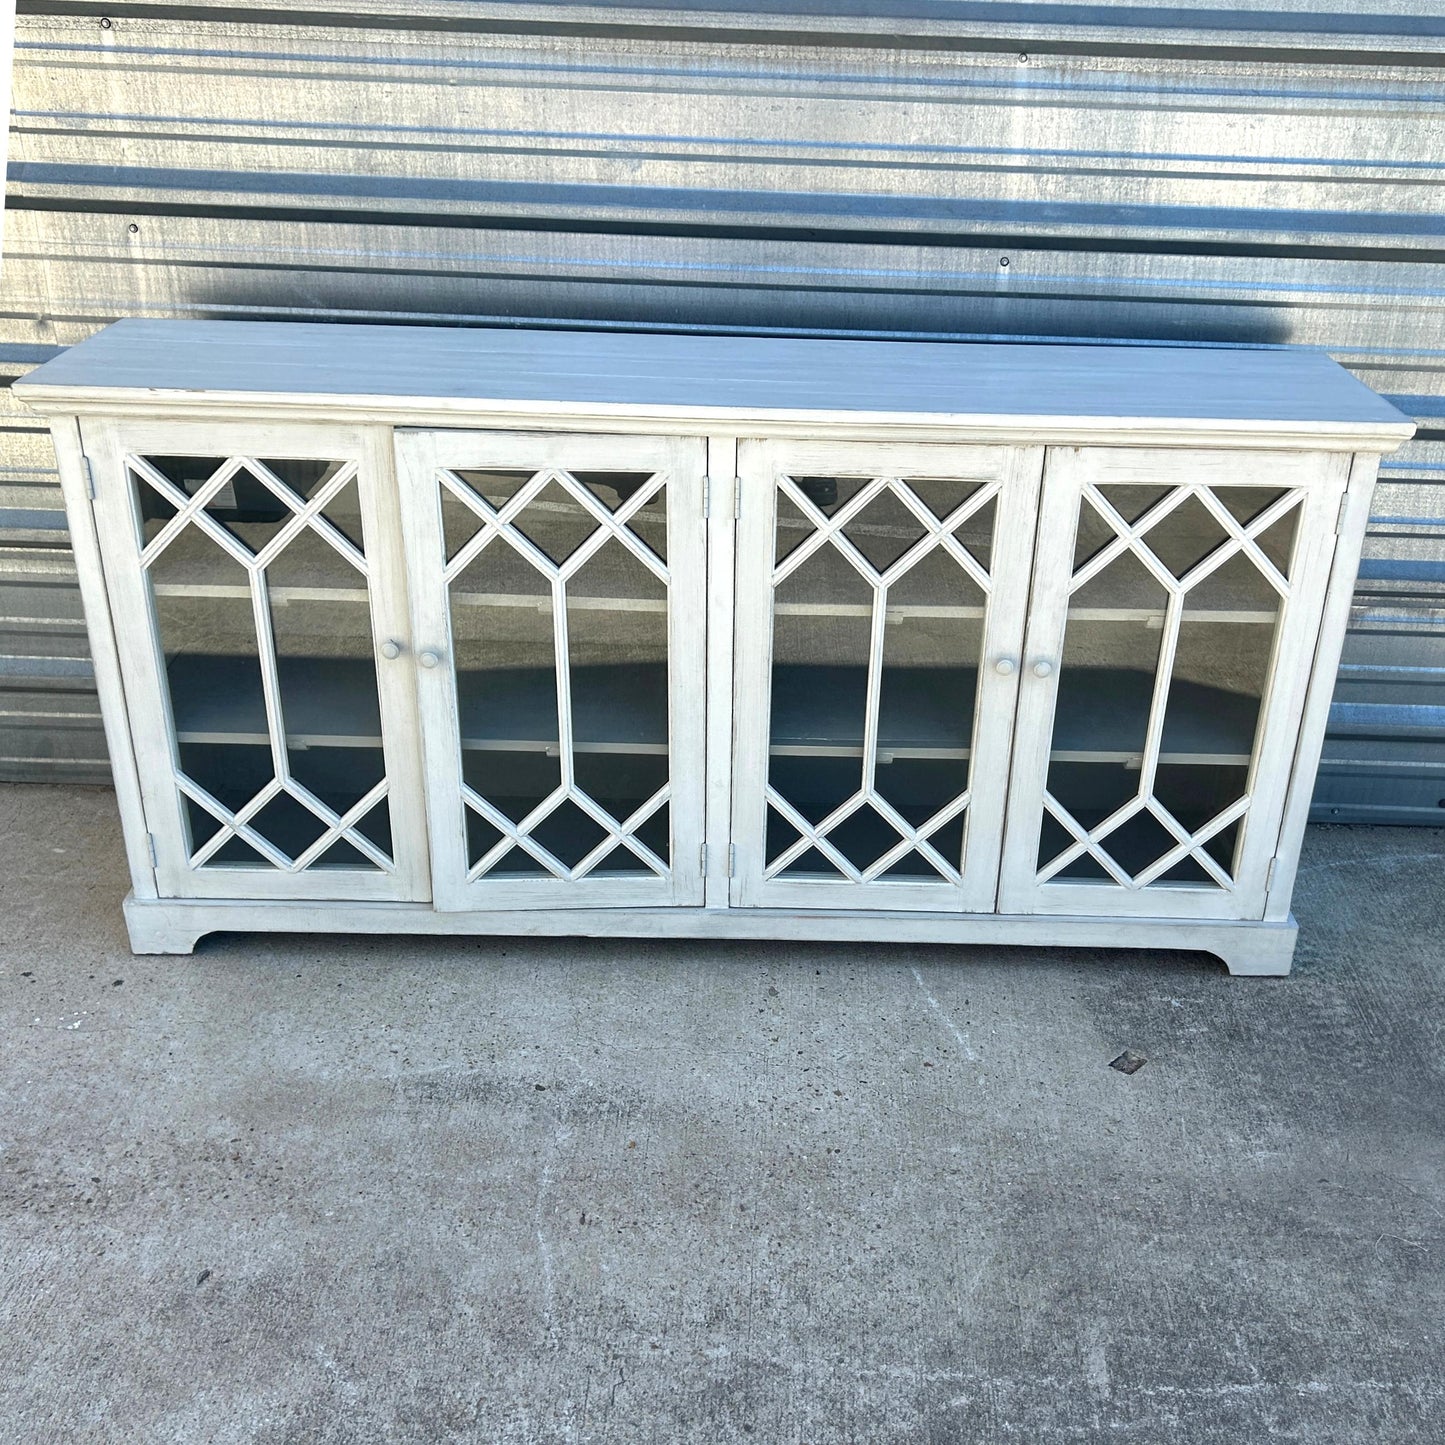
[{"x": 418, "y": 630}]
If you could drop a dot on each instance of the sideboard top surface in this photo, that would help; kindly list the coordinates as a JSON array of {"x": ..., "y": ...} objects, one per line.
[{"x": 393, "y": 372}]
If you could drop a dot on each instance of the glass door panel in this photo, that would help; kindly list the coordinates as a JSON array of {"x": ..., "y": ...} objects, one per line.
[
  {"x": 880, "y": 595},
  {"x": 562, "y": 581},
  {"x": 274, "y": 744},
  {"x": 1173, "y": 621}
]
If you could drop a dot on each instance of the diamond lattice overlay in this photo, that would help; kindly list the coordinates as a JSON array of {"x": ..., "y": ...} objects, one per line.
[
  {"x": 1195, "y": 554},
  {"x": 556, "y": 523},
  {"x": 205, "y": 511},
  {"x": 884, "y": 530}
]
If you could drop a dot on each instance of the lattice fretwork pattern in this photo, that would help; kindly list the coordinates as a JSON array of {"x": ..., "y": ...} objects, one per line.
[
  {"x": 558, "y": 585},
  {"x": 1176, "y": 597},
  {"x": 259, "y": 583},
  {"x": 881, "y": 587}
]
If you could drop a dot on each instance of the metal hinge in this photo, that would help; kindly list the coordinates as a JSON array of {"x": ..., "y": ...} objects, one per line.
[
  {"x": 151, "y": 849},
  {"x": 89, "y": 477},
  {"x": 1269, "y": 875},
  {"x": 702, "y": 859},
  {"x": 732, "y": 859},
  {"x": 733, "y": 491},
  {"x": 1340, "y": 516}
]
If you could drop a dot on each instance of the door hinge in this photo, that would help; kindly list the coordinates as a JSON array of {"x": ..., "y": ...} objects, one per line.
[
  {"x": 702, "y": 859},
  {"x": 1340, "y": 515},
  {"x": 151, "y": 849},
  {"x": 707, "y": 498},
  {"x": 1269, "y": 874},
  {"x": 89, "y": 477},
  {"x": 732, "y": 859}
]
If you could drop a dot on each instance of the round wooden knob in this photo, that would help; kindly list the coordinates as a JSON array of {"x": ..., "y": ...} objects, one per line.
[
  {"x": 390, "y": 650},
  {"x": 428, "y": 658},
  {"x": 1043, "y": 667},
  {"x": 1005, "y": 667}
]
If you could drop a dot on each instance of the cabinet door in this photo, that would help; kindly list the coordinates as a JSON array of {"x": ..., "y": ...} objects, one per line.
[
  {"x": 1176, "y": 602},
  {"x": 558, "y": 593},
  {"x": 251, "y": 572},
  {"x": 880, "y": 608}
]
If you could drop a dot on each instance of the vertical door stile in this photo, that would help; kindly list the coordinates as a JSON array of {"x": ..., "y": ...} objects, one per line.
[
  {"x": 391, "y": 607},
  {"x": 720, "y": 531}
]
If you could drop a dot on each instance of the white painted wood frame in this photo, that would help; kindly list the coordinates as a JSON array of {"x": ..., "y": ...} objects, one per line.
[
  {"x": 112, "y": 448},
  {"x": 1252, "y": 949},
  {"x": 720, "y": 419},
  {"x": 721, "y": 503},
  {"x": 1008, "y": 478},
  {"x": 425, "y": 458},
  {"x": 1316, "y": 481},
  {"x": 75, "y": 482},
  {"x": 1314, "y": 718}
]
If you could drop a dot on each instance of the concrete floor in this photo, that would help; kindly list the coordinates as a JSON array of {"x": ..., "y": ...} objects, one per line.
[{"x": 359, "y": 1190}]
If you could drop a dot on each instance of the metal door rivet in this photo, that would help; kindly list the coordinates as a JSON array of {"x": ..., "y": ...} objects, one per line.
[
  {"x": 429, "y": 658},
  {"x": 390, "y": 649},
  {"x": 1005, "y": 667},
  {"x": 1043, "y": 667}
]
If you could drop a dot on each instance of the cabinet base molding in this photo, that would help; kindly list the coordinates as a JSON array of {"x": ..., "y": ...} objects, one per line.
[{"x": 1247, "y": 948}]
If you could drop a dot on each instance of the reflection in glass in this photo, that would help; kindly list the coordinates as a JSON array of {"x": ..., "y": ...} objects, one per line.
[
  {"x": 559, "y": 611},
  {"x": 256, "y": 570},
  {"x": 879, "y": 599},
  {"x": 1167, "y": 656}
]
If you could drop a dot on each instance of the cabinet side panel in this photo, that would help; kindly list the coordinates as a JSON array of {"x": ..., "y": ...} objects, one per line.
[
  {"x": 147, "y": 709},
  {"x": 1315, "y": 717},
  {"x": 70, "y": 455},
  {"x": 1290, "y": 677}
]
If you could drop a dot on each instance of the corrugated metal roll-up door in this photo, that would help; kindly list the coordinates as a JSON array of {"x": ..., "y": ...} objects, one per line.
[{"x": 1241, "y": 176}]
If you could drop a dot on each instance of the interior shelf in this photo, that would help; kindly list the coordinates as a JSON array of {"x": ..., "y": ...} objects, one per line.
[
  {"x": 282, "y": 594},
  {"x": 542, "y": 602},
  {"x": 1154, "y": 616},
  {"x": 329, "y": 701},
  {"x": 619, "y": 709},
  {"x": 900, "y": 613},
  {"x": 1206, "y": 725},
  {"x": 332, "y": 702},
  {"x": 928, "y": 713}
]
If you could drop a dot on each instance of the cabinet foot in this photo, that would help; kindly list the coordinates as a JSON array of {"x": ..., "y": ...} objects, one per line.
[
  {"x": 1266, "y": 953},
  {"x": 154, "y": 929}
]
